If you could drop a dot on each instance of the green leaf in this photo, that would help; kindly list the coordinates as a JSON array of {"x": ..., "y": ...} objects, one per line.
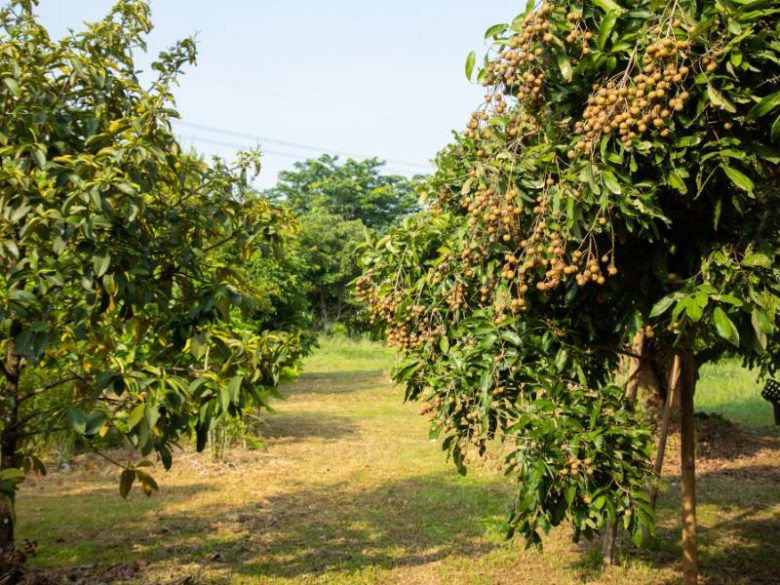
[
  {"x": 494, "y": 31},
  {"x": 77, "y": 420},
  {"x": 725, "y": 327},
  {"x": 13, "y": 475},
  {"x": 565, "y": 66},
  {"x": 40, "y": 158},
  {"x": 662, "y": 306},
  {"x": 609, "y": 5},
  {"x": 740, "y": 179},
  {"x": 758, "y": 329},
  {"x": 611, "y": 182},
  {"x": 470, "y": 62},
  {"x": 406, "y": 370},
  {"x": 718, "y": 99},
  {"x": 677, "y": 182},
  {"x": 148, "y": 483},
  {"x": 774, "y": 133},
  {"x": 766, "y": 105},
  {"x": 224, "y": 398},
  {"x": 126, "y": 480},
  {"x": 199, "y": 344},
  {"x": 606, "y": 29},
  {"x": 693, "y": 310},
  {"x": 94, "y": 422},
  {"x": 757, "y": 259},
  {"x": 12, "y": 86},
  {"x": 100, "y": 263},
  {"x": 762, "y": 322},
  {"x": 234, "y": 388},
  {"x": 135, "y": 416}
]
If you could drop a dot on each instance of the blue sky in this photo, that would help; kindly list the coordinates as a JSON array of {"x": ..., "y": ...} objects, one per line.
[{"x": 362, "y": 77}]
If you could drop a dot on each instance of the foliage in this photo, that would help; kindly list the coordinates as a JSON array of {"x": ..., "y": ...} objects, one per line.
[
  {"x": 353, "y": 190},
  {"x": 621, "y": 176},
  {"x": 122, "y": 314},
  {"x": 330, "y": 245},
  {"x": 337, "y": 205}
]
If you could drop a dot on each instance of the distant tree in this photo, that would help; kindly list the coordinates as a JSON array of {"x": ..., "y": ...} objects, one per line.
[
  {"x": 338, "y": 205},
  {"x": 619, "y": 182},
  {"x": 330, "y": 245},
  {"x": 121, "y": 313},
  {"x": 353, "y": 190}
]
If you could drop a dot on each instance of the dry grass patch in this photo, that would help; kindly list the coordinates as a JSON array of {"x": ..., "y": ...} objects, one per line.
[{"x": 350, "y": 490}]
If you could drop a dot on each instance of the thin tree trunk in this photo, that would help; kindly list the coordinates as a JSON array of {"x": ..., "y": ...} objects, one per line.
[
  {"x": 632, "y": 384},
  {"x": 663, "y": 435},
  {"x": 323, "y": 313},
  {"x": 671, "y": 397},
  {"x": 609, "y": 539},
  {"x": 688, "y": 467},
  {"x": 776, "y": 406},
  {"x": 8, "y": 437}
]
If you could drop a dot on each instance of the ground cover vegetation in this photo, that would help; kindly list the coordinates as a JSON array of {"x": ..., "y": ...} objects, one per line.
[
  {"x": 350, "y": 490},
  {"x": 615, "y": 194}
]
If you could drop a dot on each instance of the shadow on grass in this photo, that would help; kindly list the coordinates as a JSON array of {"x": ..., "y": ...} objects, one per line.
[
  {"x": 330, "y": 528},
  {"x": 301, "y": 426},
  {"x": 738, "y": 536},
  {"x": 335, "y": 382}
]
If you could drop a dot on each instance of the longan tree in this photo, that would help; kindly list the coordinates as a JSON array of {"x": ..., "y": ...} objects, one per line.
[
  {"x": 125, "y": 310},
  {"x": 620, "y": 179}
]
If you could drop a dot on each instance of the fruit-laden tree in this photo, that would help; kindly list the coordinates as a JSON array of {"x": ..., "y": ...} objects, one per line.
[
  {"x": 337, "y": 204},
  {"x": 121, "y": 316},
  {"x": 620, "y": 178}
]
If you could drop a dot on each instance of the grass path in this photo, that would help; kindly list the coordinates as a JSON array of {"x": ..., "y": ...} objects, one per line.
[{"x": 350, "y": 490}]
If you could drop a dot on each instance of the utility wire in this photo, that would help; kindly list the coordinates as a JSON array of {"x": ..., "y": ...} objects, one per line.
[
  {"x": 192, "y": 138},
  {"x": 294, "y": 145}
]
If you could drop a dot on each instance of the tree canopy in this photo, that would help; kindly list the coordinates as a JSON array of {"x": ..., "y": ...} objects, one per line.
[
  {"x": 620, "y": 177},
  {"x": 338, "y": 206},
  {"x": 353, "y": 190},
  {"x": 124, "y": 310}
]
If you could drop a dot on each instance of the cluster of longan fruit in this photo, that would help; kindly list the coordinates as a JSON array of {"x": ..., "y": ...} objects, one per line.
[
  {"x": 635, "y": 105},
  {"x": 579, "y": 32},
  {"x": 574, "y": 465},
  {"x": 457, "y": 297},
  {"x": 409, "y": 335},
  {"x": 497, "y": 214},
  {"x": 592, "y": 271},
  {"x": 520, "y": 67}
]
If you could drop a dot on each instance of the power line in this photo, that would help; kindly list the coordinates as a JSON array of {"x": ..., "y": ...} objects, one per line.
[
  {"x": 295, "y": 145},
  {"x": 239, "y": 146}
]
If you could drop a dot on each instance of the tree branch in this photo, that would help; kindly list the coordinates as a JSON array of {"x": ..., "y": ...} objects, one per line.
[{"x": 54, "y": 384}]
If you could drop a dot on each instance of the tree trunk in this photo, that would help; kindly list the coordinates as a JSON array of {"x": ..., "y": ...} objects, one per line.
[
  {"x": 632, "y": 384},
  {"x": 776, "y": 406},
  {"x": 688, "y": 467},
  {"x": 8, "y": 437},
  {"x": 323, "y": 313},
  {"x": 609, "y": 539},
  {"x": 608, "y": 543},
  {"x": 663, "y": 435},
  {"x": 671, "y": 397}
]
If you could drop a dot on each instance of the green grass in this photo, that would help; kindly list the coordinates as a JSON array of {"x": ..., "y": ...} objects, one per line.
[
  {"x": 728, "y": 389},
  {"x": 351, "y": 490}
]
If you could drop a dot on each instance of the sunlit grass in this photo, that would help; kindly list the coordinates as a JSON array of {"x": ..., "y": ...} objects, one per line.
[
  {"x": 351, "y": 490},
  {"x": 728, "y": 389}
]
